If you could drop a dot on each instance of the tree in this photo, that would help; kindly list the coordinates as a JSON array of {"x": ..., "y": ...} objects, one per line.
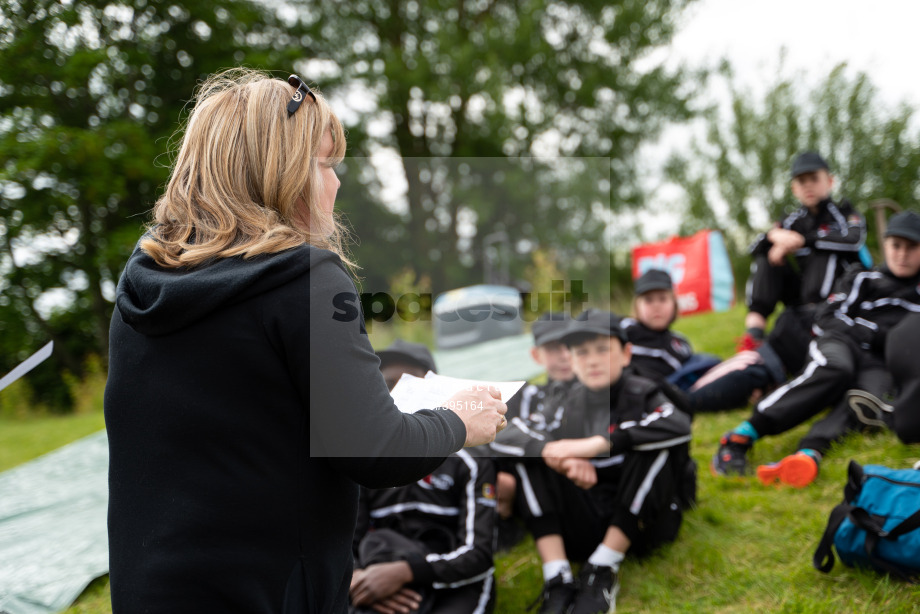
[
  {"x": 462, "y": 87},
  {"x": 744, "y": 159},
  {"x": 90, "y": 92}
]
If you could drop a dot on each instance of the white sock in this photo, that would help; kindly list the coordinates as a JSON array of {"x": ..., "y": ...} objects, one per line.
[
  {"x": 551, "y": 569},
  {"x": 606, "y": 557}
]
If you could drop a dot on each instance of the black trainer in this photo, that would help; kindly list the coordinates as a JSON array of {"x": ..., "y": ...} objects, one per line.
[
  {"x": 556, "y": 598},
  {"x": 731, "y": 459},
  {"x": 869, "y": 409},
  {"x": 598, "y": 586}
]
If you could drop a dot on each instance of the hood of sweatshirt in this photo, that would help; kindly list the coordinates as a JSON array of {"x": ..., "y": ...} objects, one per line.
[{"x": 157, "y": 301}]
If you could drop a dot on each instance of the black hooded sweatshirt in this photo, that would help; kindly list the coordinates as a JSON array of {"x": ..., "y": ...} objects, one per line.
[{"x": 244, "y": 405}]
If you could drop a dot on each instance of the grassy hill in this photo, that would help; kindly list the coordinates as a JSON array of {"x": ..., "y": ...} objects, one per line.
[{"x": 746, "y": 548}]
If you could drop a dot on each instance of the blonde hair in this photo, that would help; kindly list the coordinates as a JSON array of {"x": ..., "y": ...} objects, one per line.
[{"x": 242, "y": 165}]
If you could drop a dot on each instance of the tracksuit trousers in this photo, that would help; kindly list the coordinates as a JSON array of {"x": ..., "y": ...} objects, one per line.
[
  {"x": 834, "y": 367},
  {"x": 729, "y": 385},
  {"x": 637, "y": 492}
]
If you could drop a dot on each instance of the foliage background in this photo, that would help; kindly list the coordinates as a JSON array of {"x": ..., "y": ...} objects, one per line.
[{"x": 91, "y": 93}]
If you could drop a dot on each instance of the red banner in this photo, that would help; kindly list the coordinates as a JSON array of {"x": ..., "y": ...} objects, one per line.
[{"x": 698, "y": 266}]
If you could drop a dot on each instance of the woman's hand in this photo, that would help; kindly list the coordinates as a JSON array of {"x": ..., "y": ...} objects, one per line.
[{"x": 482, "y": 411}]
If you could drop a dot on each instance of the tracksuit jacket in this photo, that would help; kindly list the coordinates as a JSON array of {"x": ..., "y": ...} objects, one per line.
[
  {"x": 451, "y": 511},
  {"x": 640, "y": 418},
  {"x": 658, "y": 352},
  {"x": 533, "y": 399},
  {"x": 834, "y": 237},
  {"x": 865, "y": 306}
]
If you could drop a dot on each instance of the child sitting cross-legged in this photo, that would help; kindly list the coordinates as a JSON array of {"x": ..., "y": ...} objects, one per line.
[{"x": 603, "y": 476}]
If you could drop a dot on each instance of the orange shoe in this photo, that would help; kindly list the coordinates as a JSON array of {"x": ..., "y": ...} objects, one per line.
[{"x": 798, "y": 470}]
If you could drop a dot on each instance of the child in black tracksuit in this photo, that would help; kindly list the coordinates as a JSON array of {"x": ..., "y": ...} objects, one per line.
[
  {"x": 426, "y": 546},
  {"x": 902, "y": 354},
  {"x": 552, "y": 355},
  {"x": 601, "y": 474},
  {"x": 658, "y": 352},
  {"x": 851, "y": 329},
  {"x": 796, "y": 263},
  {"x": 532, "y": 401},
  {"x": 432, "y": 539}
]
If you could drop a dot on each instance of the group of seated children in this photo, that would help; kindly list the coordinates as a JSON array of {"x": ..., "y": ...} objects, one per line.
[
  {"x": 595, "y": 463},
  {"x": 795, "y": 263},
  {"x": 847, "y": 352},
  {"x": 594, "y": 470},
  {"x": 829, "y": 341}
]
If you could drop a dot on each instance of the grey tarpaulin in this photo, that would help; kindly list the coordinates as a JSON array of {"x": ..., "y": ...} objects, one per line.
[
  {"x": 53, "y": 539},
  {"x": 499, "y": 360}
]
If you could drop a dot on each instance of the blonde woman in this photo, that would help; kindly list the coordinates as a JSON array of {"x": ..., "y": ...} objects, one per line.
[{"x": 244, "y": 404}]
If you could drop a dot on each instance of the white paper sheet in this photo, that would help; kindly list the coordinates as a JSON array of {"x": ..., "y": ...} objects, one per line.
[{"x": 414, "y": 393}]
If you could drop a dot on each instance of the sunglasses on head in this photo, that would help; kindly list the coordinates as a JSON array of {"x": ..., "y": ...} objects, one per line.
[{"x": 300, "y": 93}]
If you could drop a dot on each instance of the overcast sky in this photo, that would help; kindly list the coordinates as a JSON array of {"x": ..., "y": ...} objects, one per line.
[{"x": 879, "y": 38}]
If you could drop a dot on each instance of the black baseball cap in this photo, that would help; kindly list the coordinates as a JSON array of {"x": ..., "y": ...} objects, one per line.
[
  {"x": 808, "y": 162},
  {"x": 407, "y": 352},
  {"x": 905, "y": 224},
  {"x": 593, "y": 322},
  {"x": 653, "y": 279},
  {"x": 550, "y": 326}
]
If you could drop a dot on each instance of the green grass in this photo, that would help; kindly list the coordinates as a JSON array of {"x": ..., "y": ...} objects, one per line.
[
  {"x": 745, "y": 548},
  {"x": 25, "y": 438}
]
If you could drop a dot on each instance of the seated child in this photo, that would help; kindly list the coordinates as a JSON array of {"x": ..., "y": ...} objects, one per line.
[
  {"x": 426, "y": 547},
  {"x": 657, "y": 352},
  {"x": 851, "y": 328},
  {"x": 603, "y": 475},
  {"x": 796, "y": 263},
  {"x": 531, "y": 400},
  {"x": 551, "y": 354}
]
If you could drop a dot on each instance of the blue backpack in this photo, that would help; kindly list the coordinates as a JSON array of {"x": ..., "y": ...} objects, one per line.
[{"x": 876, "y": 524}]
